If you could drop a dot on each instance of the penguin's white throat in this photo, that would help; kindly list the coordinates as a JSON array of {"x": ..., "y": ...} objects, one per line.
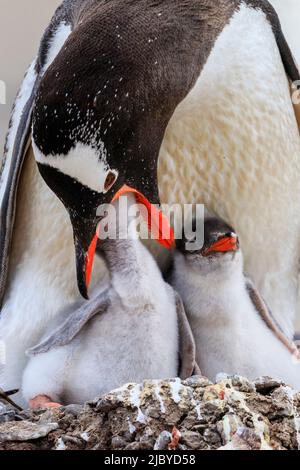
[
  {"x": 216, "y": 268},
  {"x": 125, "y": 256}
]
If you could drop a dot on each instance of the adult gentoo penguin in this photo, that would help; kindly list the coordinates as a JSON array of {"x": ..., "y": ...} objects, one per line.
[
  {"x": 108, "y": 78},
  {"x": 233, "y": 328},
  {"x": 127, "y": 333},
  {"x": 235, "y": 140}
]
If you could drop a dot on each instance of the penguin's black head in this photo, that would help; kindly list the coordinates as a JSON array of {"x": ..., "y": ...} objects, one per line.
[
  {"x": 220, "y": 254},
  {"x": 99, "y": 120},
  {"x": 104, "y": 103},
  {"x": 219, "y": 239},
  {"x": 83, "y": 203}
]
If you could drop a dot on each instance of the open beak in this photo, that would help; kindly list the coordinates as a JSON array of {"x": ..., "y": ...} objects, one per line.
[
  {"x": 85, "y": 240},
  {"x": 158, "y": 223},
  {"x": 223, "y": 245},
  {"x": 86, "y": 236},
  {"x": 84, "y": 264}
]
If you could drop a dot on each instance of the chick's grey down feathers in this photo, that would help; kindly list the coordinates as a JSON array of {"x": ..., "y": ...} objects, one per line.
[{"x": 72, "y": 326}]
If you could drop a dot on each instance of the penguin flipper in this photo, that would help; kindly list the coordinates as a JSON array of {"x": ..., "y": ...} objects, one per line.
[
  {"x": 18, "y": 139},
  {"x": 292, "y": 72},
  {"x": 17, "y": 143},
  {"x": 264, "y": 311},
  {"x": 70, "y": 328},
  {"x": 187, "y": 347},
  {"x": 5, "y": 396},
  {"x": 288, "y": 60}
]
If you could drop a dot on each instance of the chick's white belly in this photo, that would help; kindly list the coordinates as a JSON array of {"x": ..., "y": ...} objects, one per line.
[
  {"x": 113, "y": 349},
  {"x": 239, "y": 342},
  {"x": 42, "y": 278}
]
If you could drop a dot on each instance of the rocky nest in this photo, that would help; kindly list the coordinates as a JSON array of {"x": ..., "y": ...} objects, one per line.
[{"x": 193, "y": 414}]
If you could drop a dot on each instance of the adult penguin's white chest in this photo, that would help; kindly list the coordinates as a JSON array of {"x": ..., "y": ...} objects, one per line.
[
  {"x": 233, "y": 144},
  {"x": 42, "y": 278}
]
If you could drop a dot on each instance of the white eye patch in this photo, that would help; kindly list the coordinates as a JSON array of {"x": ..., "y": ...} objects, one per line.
[{"x": 83, "y": 164}]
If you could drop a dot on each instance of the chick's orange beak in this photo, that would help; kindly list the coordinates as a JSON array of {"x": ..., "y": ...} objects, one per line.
[{"x": 223, "y": 245}]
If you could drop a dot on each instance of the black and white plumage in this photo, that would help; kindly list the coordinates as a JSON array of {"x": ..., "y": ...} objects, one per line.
[
  {"x": 234, "y": 330},
  {"x": 92, "y": 92}
]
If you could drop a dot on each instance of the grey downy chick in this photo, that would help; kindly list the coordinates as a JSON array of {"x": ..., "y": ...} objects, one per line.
[
  {"x": 135, "y": 329},
  {"x": 233, "y": 328}
]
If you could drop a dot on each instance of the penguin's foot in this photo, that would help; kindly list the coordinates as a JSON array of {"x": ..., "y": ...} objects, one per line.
[
  {"x": 42, "y": 401},
  {"x": 176, "y": 435}
]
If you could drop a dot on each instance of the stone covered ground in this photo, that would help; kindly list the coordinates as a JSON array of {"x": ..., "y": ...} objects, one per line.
[{"x": 177, "y": 415}]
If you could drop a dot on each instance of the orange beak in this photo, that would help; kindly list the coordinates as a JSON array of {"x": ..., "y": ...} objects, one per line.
[
  {"x": 157, "y": 222},
  {"x": 89, "y": 261},
  {"x": 223, "y": 245}
]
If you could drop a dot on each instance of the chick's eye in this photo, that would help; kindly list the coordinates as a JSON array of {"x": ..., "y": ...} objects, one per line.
[{"x": 111, "y": 178}]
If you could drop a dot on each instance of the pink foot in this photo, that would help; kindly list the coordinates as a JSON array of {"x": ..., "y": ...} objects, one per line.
[
  {"x": 42, "y": 401},
  {"x": 53, "y": 405}
]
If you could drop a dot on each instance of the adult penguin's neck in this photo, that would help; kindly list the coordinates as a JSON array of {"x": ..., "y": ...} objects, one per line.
[{"x": 42, "y": 276}]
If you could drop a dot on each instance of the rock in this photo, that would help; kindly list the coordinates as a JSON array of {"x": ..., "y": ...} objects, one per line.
[
  {"x": 163, "y": 441},
  {"x": 192, "y": 440},
  {"x": 25, "y": 431},
  {"x": 233, "y": 413},
  {"x": 73, "y": 410},
  {"x": 118, "y": 443},
  {"x": 243, "y": 439},
  {"x": 266, "y": 384},
  {"x": 9, "y": 413}
]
